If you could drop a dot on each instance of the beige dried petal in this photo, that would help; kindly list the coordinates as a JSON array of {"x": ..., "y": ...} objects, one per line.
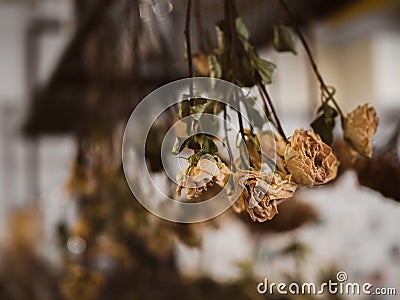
[
  {"x": 359, "y": 127},
  {"x": 309, "y": 160}
]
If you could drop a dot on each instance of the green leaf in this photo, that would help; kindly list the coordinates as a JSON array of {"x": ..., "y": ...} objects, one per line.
[
  {"x": 184, "y": 109},
  {"x": 245, "y": 72},
  {"x": 199, "y": 101},
  {"x": 254, "y": 116},
  {"x": 284, "y": 39},
  {"x": 179, "y": 145},
  {"x": 264, "y": 68},
  {"x": 325, "y": 123},
  {"x": 209, "y": 146},
  {"x": 193, "y": 143},
  {"x": 220, "y": 37},
  {"x": 328, "y": 110},
  {"x": 213, "y": 107},
  {"x": 241, "y": 28},
  {"x": 214, "y": 67},
  {"x": 197, "y": 110}
]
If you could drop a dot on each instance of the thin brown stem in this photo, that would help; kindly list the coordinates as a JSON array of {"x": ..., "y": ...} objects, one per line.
[
  {"x": 314, "y": 66},
  {"x": 228, "y": 146},
  {"x": 187, "y": 38},
  {"x": 231, "y": 37},
  {"x": 271, "y": 105},
  {"x": 199, "y": 23}
]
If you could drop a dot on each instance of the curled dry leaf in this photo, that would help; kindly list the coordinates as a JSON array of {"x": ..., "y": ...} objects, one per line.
[
  {"x": 207, "y": 172},
  {"x": 262, "y": 193},
  {"x": 359, "y": 127},
  {"x": 309, "y": 160}
]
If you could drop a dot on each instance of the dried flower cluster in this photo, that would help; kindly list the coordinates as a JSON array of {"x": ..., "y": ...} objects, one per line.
[{"x": 305, "y": 160}]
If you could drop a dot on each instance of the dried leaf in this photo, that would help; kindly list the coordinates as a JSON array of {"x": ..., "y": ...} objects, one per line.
[
  {"x": 179, "y": 145},
  {"x": 264, "y": 68},
  {"x": 325, "y": 123},
  {"x": 241, "y": 28},
  {"x": 209, "y": 146},
  {"x": 214, "y": 67},
  {"x": 284, "y": 39}
]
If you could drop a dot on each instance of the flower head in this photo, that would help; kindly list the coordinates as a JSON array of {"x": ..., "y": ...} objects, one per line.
[
  {"x": 359, "y": 127},
  {"x": 309, "y": 160},
  {"x": 261, "y": 194},
  {"x": 207, "y": 172}
]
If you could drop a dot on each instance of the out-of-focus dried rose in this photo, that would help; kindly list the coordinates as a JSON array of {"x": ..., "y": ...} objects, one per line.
[
  {"x": 264, "y": 147},
  {"x": 359, "y": 127},
  {"x": 195, "y": 179},
  {"x": 261, "y": 194},
  {"x": 381, "y": 173},
  {"x": 309, "y": 160},
  {"x": 273, "y": 146}
]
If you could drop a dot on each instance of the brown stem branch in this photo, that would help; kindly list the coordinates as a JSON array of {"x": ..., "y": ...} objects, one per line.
[
  {"x": 187, "y": 38},
  {"x": 314, "y": 66},
  {"x": 231, "y": 37},
  {"x": 228, "y": 146},
  {"x": 271, "y": 105}
]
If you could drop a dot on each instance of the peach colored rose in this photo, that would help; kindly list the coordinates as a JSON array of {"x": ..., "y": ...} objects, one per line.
[
  {"x": 359, "y": 127},
  {"x": 261, "y": 194},
  {"x": 195, "y": 179},
  {"x": 309, "y": 160}
]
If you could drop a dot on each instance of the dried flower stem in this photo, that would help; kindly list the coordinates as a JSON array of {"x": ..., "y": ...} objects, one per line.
[
  {"x": 265, "y": 96},
  {"x": 187, "y": 38},
  {"x": 314, "y": 66},
  {"x": 228, "y": 146},
  {"x": 188, "y": 43},
  {"x": 231, "y": 36}
]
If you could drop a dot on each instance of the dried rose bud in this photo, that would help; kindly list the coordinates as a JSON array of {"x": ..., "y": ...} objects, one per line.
[
  {"x": 309, "y": 160},
  {"x": 359, "y": 127},
  {"x": 195, "y": 179},
  {"x": 262, "y": 193}
]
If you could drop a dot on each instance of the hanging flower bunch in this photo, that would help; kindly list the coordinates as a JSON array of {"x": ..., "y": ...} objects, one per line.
[{"x": 305, "y": 159}]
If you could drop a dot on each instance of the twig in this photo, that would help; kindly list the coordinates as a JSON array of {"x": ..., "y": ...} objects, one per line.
[
  {"x": 228, "y": 146},
  {"x": 311, "y": 58},
  {"x": 264, "y": 93},
  {"x": 199, "y": 23},
  {"x": 187, "y": 38},
  {"x": 230, "y": 15}
]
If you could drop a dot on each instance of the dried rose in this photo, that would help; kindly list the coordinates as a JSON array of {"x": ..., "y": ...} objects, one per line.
[
  {"x": 273, "y": 146},
  {"x": 359, "y": 127},
  {"x": 207, "y": 172},
  {"x": 264, "y": 147},
  {"x": 261, "y": 194},
  {"x": 309, "y": 160}
]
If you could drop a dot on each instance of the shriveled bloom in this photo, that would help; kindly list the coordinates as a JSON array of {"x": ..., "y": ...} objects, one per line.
[
  {"x": 359, "y": 127},
  {"x": 309, "y": 160},
  {"x": 207, "y": 172},
  {"x": 273, "y": 146},
  {"x": 261, "y": 193},
  {"x": 264, "y": 147}
]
